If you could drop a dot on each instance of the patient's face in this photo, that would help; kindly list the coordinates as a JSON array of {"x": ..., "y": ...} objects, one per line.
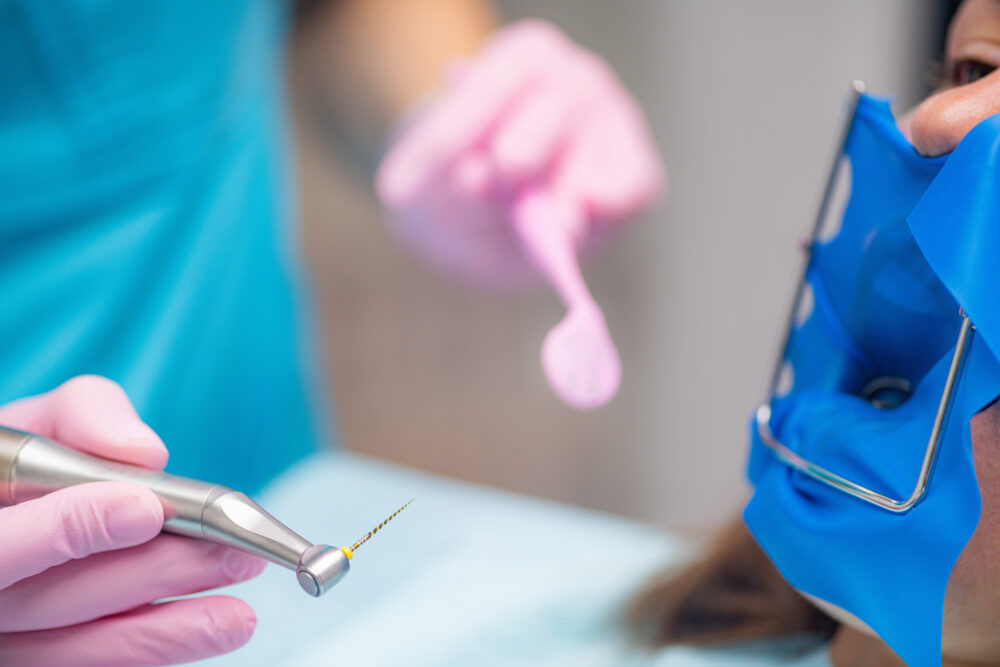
[
  {"x": 969, "y": 93},
  {"x": 970, "y": 86},
  {"x": 972, "y": 602}
]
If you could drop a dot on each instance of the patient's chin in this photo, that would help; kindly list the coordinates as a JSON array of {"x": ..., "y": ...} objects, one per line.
[
  {"x": 854, "y": 648},
  {"x": 840, "y": 615}
]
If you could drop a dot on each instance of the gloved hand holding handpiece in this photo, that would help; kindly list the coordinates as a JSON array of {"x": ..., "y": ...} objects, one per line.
[
  {"x": 533, "y": 155},
  {"x": 81, "y": 567}
]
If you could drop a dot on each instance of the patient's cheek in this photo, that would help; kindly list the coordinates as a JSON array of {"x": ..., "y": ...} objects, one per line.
[
  {"x": 971, "y": 608},
  {"x": 985, "y": 428}
]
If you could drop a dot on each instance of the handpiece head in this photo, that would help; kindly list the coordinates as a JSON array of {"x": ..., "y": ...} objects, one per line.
[{"x": 320, "y": 568}]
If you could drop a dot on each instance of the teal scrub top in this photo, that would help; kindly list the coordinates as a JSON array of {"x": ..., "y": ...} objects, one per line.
[{"x": 146, "y": 224}]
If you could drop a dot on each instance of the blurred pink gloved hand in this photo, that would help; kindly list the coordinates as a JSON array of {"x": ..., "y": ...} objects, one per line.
[
  {"x": 531, "y": 110},
  {"x": 80, "y": 567},
  {"x": 533, "y": 154}
]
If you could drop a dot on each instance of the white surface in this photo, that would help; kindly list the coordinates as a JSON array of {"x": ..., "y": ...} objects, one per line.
[{"x": 465, "y": 576}]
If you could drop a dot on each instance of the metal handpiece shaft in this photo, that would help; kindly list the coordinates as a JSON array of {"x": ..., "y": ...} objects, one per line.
[{"x": 32, "y": 466}]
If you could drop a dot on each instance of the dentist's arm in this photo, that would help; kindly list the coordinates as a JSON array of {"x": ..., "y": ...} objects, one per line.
[{"x": 362, "y": 65}]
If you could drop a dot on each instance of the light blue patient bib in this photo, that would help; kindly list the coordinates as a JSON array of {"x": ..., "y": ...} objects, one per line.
[{"x": 145, "y": 224}]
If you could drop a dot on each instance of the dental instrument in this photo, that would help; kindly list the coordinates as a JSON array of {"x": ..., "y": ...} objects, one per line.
[
  {"x": 32, "y": 466},
  {"x": 762, "y": 416},
  {"x": 580, "y": 360},
  {"x": 861, "y": 458},
  {"x": 349, "y": 551}
]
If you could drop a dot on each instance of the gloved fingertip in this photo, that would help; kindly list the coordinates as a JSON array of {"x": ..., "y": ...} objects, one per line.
[
  {"x": 473, "y": 176},
  {"x": 133, "y": 516},
  {"x": 217, "y": 625},
  {"x": 238, "y": 621},
  {"x": 514, "y": 159},
  {"x": 139, "y": 444},
  {"x": 146, "y": 450},
  {"x": 249, "y": 620},
  {"x": 240, "y": 566}
]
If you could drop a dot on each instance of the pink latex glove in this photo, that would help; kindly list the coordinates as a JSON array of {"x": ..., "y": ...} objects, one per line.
[
  {"x": 532, "y": 155},
  {"x": 80, "y": 567}
]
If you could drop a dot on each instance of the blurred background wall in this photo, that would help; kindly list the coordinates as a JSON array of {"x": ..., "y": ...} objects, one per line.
[{"x": 745, "y": 101}]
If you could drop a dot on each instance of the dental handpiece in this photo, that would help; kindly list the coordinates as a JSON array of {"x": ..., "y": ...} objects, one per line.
[{"x": 32, "y": 466}]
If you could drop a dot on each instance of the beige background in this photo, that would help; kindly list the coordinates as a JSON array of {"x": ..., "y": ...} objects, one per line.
[{"x": 744, "y": 100}]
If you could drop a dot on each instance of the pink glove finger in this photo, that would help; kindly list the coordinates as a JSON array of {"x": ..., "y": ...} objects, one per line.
[
  {"x": 635, "y": 177},
  {"x": 527, "y": 141},
  {"x": 161, "y": 634},
  {"x": 116, "y": 581},
  {"x": 93, "y": 414},
  {"x": 457, "y": 123},
  {"x": 465, "y": 113},
  {"x": 611, "y": 165},
  {"x": 74, "y": 523},
  {"x": 474, "y": 175}
]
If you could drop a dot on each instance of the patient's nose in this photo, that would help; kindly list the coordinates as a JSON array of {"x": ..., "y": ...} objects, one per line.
[{"x": 938, "y": 124}]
